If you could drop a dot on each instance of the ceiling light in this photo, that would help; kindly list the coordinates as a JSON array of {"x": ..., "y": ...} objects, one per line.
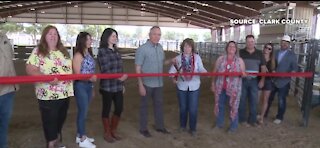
[
  {"x": 222, "y": 26},
  {"x": 19, "y": 5},
  {"x": 195, "y": 10},
  {"x": 179, "y": 20},
  {"x": 282, "y": 10},
  {"x": 68, "y": 2},
  {"x": 10, "y": 16},
  {"x": 43, "y": 12},
  {"x": 143, "y": 9},
  {"x": 229, "y": 3},
  {"x": 76, "y": 6},
  {"x": 109, "y": 7},
  {"x": 105, "y": 3},
  {"x": 32, "y": 9},
  {"x": 183, "y": 17},
  {"x": 188, "y": 13},
  {"x": 142, "y": 4},
  {"x": 318, "y": 8},
  {"x": 267, "y": 2},
  {"x": 206, "y": 5}
]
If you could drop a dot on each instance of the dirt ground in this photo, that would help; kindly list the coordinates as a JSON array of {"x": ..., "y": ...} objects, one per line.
[{"x": 26, "y": 128}]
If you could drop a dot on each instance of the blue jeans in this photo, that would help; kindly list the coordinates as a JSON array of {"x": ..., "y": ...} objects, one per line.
[
  {"x": 250, "y": 91},
  {"x": 223, "y": 99},
  {"x": 188, "y": 104},
  {"x": 83, "y": 94},
  {"x": 282, "y": 100},
  {"x": 6, "y": 105}
]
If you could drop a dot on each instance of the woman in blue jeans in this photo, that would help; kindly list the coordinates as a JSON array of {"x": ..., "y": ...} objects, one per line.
[
  {"x": 83, "y": 63},
  {"x": 227, "y": 89},
  {"x": 187, "y": 85}
]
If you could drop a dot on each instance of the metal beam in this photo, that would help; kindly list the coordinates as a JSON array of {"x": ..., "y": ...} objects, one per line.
[
  {"x": 172, "y": 6},
  {"x": 156, "y": 10},
  {"x": 203, "y": 10},
  {"x": 30, "y": 6},
  {"x": 153, "y": 11},
  {"x": 242, "y": 12},
  {"x": 6, "y": 14}
]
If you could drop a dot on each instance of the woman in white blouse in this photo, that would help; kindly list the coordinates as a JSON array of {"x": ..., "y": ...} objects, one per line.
[{"x": 187, "y": 85}]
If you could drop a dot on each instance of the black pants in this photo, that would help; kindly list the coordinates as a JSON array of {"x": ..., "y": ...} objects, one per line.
[
  {"x": 107, "y": 98},
  {"x": 53, "y": 116}
]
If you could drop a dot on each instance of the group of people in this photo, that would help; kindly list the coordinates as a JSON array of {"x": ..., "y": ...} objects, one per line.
[
  {"x": 238, "y": 90},
  {"x": 50, "y": 57}
]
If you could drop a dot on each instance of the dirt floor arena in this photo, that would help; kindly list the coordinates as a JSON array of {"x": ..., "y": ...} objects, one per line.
[{"x": 26, "y": 128}]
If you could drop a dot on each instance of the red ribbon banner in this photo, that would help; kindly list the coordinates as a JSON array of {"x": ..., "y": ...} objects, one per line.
[{"x": 48, "y": 78}]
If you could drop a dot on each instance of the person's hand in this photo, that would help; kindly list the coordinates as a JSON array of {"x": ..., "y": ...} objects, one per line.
[
  {"x": 124, "y": 77},
  {"x": 54, "y": 82},
  {"x": 93, "y": 78},
  {"x": 142, "y": 90},
  {"x": 174, "y": 81},
  {"x": 244, "y": 74},
  {"x": 261, "y": 84}
]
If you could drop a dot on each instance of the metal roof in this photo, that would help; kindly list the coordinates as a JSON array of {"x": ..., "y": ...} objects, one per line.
[{"x": 204, "y": 14}]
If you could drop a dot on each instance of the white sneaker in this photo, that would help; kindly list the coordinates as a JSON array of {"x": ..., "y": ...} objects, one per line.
[
  {"x": 86, "y": 144},
  {"x": 79, "y": 139},
  {"x": 277, "y": 121}
]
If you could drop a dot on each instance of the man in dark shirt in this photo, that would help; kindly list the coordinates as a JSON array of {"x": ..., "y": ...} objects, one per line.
[{"x": 254, "y": 62}]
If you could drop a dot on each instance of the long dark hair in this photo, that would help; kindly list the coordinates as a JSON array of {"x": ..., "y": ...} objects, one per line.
[
  {"x": 43, "y": 45},
  {"x": 271, "y": 56},
  {"x": 81, "y": 43},
  {"x": 104, "y": 40}
]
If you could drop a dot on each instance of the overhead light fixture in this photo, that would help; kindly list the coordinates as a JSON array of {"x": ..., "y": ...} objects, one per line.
[
  {"x": 109, "y": 7},
  {"x": 282, "y": 10},
  {"x": 318, "y": 7},
  {"x": 43, "y": 12},
  {"x": 9, "y": 16},
  {"x": 195, "y": 10},
  {"x": 205, "y": 5},
  {"x": 105, "y": 3},
  {"x": 188, "y": 13},
  {"x": 76, "y": 6},
  {"x": 229, "y": 3},
  {"x": 19, "y": 5},
  {"x": 221, "y": 26},
  {"x": 183, "y": 17},
  {"x": 142, "y": 4},
  {"x": 32, "y": 9},
  {"x": 143, "y": 9},
  {"x": 179, "y": 20},
  {"x": 267, "y": 2},
  {"x": 68, "y": 2}
]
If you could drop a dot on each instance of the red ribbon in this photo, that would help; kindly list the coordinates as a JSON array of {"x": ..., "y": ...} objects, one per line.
[{"x": 48, "y": 78}]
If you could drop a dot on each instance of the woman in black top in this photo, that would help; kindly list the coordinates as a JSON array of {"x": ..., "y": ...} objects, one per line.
[{"x": 266, "y": 89}]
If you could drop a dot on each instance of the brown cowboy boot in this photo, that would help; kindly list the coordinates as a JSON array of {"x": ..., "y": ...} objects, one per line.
[
  {"x": 114, "y": 124},
  {"x": 107, "y": 131}
]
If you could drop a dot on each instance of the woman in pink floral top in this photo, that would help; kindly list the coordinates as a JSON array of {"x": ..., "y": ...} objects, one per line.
[
  {"x": 228, "y": 88},
  {"x": 50, "y": 57}
]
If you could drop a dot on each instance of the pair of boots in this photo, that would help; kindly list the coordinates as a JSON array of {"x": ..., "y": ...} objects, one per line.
[{"x": 110, "y": 127}]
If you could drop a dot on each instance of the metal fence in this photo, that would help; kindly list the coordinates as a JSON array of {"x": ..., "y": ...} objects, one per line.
[{"x": 305, "y": 90}]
